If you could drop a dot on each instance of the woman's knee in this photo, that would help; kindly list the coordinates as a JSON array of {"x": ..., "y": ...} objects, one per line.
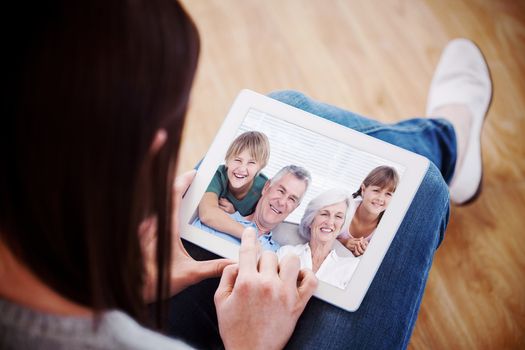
[
  {"x": 434, "y": 191},
  {"x": 290, "y": 97},
  {"x": 434, "y": 183}
]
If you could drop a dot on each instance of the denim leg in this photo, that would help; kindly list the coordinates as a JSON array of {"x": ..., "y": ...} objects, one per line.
[
  {"x": 432, "y": 138},
  {"x": 191, "y": 316}
]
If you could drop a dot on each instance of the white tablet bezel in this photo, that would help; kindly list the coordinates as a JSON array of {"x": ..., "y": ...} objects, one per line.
[{"x": 415, "y": 169}]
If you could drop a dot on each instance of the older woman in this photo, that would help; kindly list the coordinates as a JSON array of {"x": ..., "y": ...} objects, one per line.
[{"x": 323, "y": 220}]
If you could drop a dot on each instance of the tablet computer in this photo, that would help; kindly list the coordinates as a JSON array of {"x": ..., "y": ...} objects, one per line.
[{"x": 336, "y": 158}]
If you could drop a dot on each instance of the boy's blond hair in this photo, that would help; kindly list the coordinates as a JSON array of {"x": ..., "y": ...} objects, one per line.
[{"x": 255, "y": 142}]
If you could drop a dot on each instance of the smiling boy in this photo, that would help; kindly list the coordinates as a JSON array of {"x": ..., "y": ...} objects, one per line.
[{"x": 236, "y": 185}]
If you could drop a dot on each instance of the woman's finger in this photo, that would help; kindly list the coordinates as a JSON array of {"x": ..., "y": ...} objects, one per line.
[
  {"x": 185, "y": 271},
  {"x": 183, "y": 181},
  {"x": 268, "y": 263},
  {"x": 227, "y": 282},
  {"x": 211, "y": 268},
  {"x": 180, "y": 186},
  {"x": 307, "y": 284},
  {"x": 248, "y": 253},
  {"x": 289, "y": 270}
]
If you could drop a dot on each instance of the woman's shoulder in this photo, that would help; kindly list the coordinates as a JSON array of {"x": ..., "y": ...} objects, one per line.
[
  {"x": 126, "y": 333},
  {"x": 23, "y": 328}
]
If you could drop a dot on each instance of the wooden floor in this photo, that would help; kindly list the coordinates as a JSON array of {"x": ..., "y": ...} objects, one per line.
[{"x": 377, "y": 57}]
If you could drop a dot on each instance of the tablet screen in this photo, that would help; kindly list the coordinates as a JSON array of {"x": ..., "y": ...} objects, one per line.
[{"x": 332, "y": 165}]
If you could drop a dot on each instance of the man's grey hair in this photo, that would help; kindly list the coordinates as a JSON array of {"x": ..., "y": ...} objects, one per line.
[
  {"x": 325, "y": 199},
  {"x": 299, "y": 172}
]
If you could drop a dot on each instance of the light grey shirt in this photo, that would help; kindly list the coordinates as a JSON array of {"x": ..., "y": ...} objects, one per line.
[{"x": 23, "y": 328}]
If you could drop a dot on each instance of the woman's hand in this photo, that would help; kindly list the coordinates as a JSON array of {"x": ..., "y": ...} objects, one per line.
[
  {"x": 185, "y": 271},
  {"x": 259, "y": 301},
  {"x": 356, "y": 245},
  {"x": 226, "y": 205}
]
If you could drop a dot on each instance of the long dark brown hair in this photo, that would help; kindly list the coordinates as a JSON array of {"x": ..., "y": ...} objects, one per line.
[{"x": 90, "y": 83}]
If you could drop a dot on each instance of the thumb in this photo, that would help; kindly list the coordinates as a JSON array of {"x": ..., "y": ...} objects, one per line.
[
  {"x": 182, "y": 182},
  {"x": 307, "y": 283},
  {"x": 180, "y": 187},
  {"x": 211, "y": 268},
  {"x": 227, "y": 282}
]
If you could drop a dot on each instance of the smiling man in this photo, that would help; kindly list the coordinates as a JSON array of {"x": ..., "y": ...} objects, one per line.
[{"x": 280, "y": 197}]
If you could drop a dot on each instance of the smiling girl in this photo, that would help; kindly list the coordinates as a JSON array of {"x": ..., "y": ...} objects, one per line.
[{"x": 372, "y": 199}]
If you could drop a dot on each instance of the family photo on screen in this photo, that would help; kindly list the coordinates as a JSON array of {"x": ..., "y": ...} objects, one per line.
[{"x": 303, "y": 193}]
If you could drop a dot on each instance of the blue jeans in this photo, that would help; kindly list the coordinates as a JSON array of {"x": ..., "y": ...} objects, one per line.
[{"x": 387, "y": 315}]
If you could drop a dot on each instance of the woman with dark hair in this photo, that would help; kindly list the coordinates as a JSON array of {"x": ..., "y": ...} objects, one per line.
[
  {"x": 88, "y": 231},
  {"x": 98, "y": 91},
  {"x": 371, "y": 199}
]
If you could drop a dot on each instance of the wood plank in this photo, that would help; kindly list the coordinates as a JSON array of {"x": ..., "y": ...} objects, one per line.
[{"x": 377, "y": 58}]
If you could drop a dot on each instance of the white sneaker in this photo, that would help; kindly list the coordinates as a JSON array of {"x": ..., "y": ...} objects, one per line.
[{"x": 462, "y": 77}]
